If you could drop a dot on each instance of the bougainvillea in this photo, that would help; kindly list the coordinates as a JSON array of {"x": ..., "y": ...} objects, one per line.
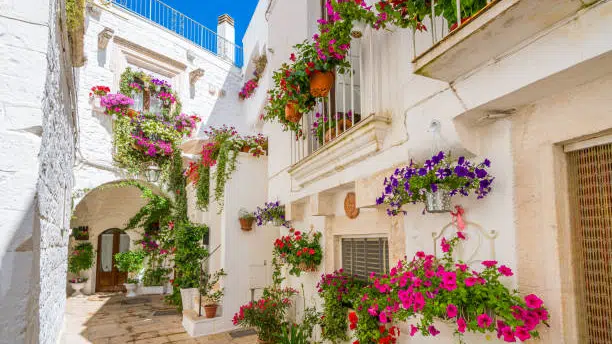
[
  {"x": 411, "y": 183},
  {"x": 429, "y": 288}
]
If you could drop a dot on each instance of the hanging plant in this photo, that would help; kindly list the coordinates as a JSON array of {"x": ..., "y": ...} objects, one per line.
[
  {"x": 222, "y": 153},
  {"x": 438, "y": 175},
  {"x": 339, "y": 291},
  {"x": 251, "y": 85},
  {"x": 428, "y": 289},
  {"x": 272, "y": 212},
  {"x": 302, "y": 252}
]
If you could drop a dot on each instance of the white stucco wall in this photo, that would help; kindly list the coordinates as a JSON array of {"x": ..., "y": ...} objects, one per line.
[
  {"x": 36, "y": 133},
  {"x": 529, "y": 72}
]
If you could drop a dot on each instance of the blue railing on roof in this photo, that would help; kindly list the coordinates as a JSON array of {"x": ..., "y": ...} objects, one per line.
[{"x": 173, "y": 20}]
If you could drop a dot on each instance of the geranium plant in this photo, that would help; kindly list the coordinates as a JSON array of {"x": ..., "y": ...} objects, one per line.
[
  {"x": 428, "y": 288},
  {"x": 99, "y": 91},
  {"x": 81, "y": 259},
  {"x": 301, "y": 252},
  {"x": 271, "y": 212},
  {"x": 257, "y": 145},
  {"x": 412, "y": 183}
]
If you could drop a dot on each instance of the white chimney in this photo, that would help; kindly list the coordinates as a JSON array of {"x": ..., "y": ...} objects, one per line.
[{"x": 226, "y": 37}]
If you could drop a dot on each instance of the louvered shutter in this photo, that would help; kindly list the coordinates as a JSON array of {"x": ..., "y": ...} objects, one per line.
[{"x": 362, "y": 256}]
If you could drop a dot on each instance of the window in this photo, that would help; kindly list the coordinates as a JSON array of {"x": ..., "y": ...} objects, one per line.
[
  {"x": 362, "y": 256},
  {"x": 590, "y": 194}
]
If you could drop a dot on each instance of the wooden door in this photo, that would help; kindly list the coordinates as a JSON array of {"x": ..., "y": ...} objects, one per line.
[{"x": 108, "y": 278}]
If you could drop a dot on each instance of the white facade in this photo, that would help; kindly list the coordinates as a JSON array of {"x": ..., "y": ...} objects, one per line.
[{"x": 513, "y": 93}]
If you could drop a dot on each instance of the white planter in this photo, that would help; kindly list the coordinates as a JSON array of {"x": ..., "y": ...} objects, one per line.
[
  {"x": 77, "y": 288},
  {"x": 95, "y": 104},
  {"x": 187, "y": 295},
  {"x": 131, "y": 289},
  {"x": 358, "y": 28},
  {"x": 151, "y": 290}
]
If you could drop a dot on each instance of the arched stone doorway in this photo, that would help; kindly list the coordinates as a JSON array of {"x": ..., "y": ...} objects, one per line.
[{"x": 110, "y": 242}]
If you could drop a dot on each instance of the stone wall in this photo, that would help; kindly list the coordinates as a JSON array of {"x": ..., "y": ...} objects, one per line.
[{"x": 35, "y": 170}]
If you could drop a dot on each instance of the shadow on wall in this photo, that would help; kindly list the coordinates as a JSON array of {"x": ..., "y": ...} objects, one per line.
[{"x": 20, "y": 279}]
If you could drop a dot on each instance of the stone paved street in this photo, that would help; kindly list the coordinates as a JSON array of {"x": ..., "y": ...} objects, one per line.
[{"x": 102, "y": 319}]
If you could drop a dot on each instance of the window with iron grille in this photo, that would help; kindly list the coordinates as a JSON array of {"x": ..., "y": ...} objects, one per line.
[
  {"x": 362, "y": 256},
  {"x": 590, "y": 194}
]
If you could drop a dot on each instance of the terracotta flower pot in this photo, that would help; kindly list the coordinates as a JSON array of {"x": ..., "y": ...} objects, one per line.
[
  {"x": 321, "y": 83},
  {"x": 291, "y": 112},
  {"x": 343, "y": 125},
  {"x": 211, "y": 310},
  {"x": 307, "y": 268},
  {"x": 245, "y": 149},
  {"x": 246, "y": 224}
]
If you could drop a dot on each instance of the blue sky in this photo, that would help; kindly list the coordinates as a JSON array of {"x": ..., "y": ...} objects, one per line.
[{"x": 207, "y": 11}]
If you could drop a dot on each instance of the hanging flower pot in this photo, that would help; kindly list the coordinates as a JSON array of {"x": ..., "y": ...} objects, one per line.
[
  {"x": 358, "y": 28},
  {"x": 438, "y": 202},
  {"x": 307, "y": 267},
  {"x": 246, "y": 224},
  {"x": 321, "y": 83},
  {"x": 291, "y": 112}
]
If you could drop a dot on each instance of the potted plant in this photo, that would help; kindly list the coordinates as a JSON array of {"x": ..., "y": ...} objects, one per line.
[
  {"x": 153, "y": 281},
  {"x": 80, "y": 259},
  {"x": 130, "y": 262},
  {"x": 272, "y": 212},
  {"x": 434, "y": 182},
  {"x": 302, "y": 252},
  {"x": 326, "y": 128},
  {"x": 246, "y": 219},
  {"x": 116, "y": 104},
  {"x": 80, "y": 233},
  {"x": 267, "y": 314},
  {"x": 94, "y": 97},
  {"x": 211, "y": 292}
]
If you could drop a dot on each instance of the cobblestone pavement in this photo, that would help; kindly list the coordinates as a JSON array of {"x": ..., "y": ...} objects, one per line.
[{"x": 106, "y": 319}]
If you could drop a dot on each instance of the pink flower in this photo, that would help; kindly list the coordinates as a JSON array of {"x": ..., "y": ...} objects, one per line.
[
  {"x": 451, "y": 311},
  {"x": 433, "y": 331},
  {"x": 462, "y": 267},
  {"x": 461, "y": 325},
  {"x": 508, "y": 335},
  {"x": 522, "y": 334},
  {"x": 420, "y": 254},
  {"x": 542, "y": 314},
  {"x": 413, "y": 330},
  {"x": 445, "y": 245},
  {"x": 373, "y": 310},
  {"x": 489, "y": 263},
  {"x": 533, "y": 301},
  {"x": 382, "y": 317},
  {"x": 460, "y": 235},
  {"x": 506, "y": 271},
  {"x": 484, "y": 321}
]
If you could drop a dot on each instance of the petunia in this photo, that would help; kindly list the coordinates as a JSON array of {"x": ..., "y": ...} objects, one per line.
[
  {"x": 533, "y": 301},
  {"x": 461, "y": 325},
  {"x": 433, "y": 331},
  {"x": 413, "y": 330},
  {"x": 451, "y": 311},
  {"x": 522, "y": 334},
  {"x": 484, "y": 321},
  {"x": 489, "y": 263}
]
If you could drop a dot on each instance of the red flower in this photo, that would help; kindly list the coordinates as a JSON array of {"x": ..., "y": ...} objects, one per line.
[
  {"x": 292, "y": 57},
  {"x": 311, "y": 251}
]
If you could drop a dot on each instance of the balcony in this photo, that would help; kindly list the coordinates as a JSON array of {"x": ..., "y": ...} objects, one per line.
[
  {"x": 457, "y": 49},
  {"x": 337, "y": 133},
  {"x": 170, "y": 19}
]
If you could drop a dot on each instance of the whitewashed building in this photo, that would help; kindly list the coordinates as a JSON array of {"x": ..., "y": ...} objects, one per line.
[{"x": 526, "y": 84}]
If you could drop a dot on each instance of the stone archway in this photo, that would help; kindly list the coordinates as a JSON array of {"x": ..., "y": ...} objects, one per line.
[{"x": 108, "y": 206}]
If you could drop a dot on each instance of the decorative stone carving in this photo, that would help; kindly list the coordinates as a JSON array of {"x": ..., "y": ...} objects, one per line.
[
  {"x": 104, "y": 37},
  {"x": 190, "y": 55},
  {"x": 195, "y": 75},
  {"x": 350, "y": 208}
]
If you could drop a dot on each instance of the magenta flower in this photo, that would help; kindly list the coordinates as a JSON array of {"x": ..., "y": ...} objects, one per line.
[
  {"x": 451, "y": 311},
  {"x": 506, "y": 271},
  {"x": 533, "y": 301},
  {"x": 413, "y": 330},
  {"x": 461, "y": 325},
  {"x": 433, "y": 331},
  {"x": 489, "y": 263},
  {"x": 484, "y": 320}
]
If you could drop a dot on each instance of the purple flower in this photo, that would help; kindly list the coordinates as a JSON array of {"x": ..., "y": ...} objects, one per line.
[
  {"x": 434, "y": 187},
  {"x": 461, "y": 160},
  {"x": 422, "y": 171},
  {"x": 480, "y": 173}
]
